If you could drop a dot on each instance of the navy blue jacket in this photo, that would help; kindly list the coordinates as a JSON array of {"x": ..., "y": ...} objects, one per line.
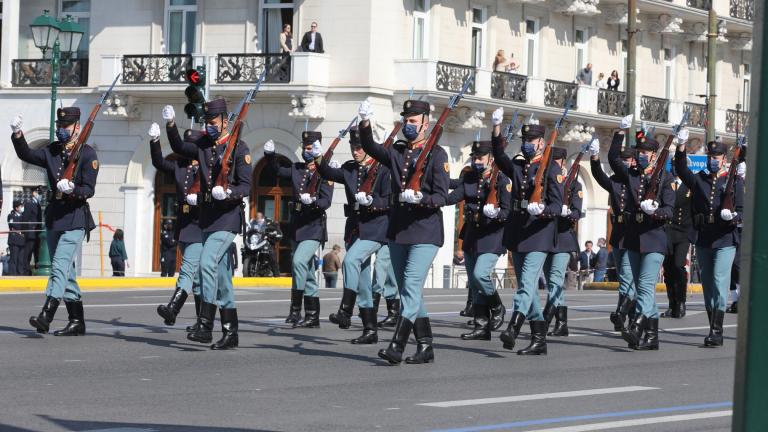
[
  {"x": 64, "y": 211},
  {"x": 184, "y": 172},
  {"x": 680, "y": 227},
  {"x": 707, "y": 198},
  {"x": 363, "y": 222},
  {"x": 566, "y": 234},
  {"x": 31, "y": 214},
  {"x": 411, "y": 224},
  {"x": 480, "y": 234},
  {"x": 16, "y": 236},
  {"x": 217, "y": 215},
  {"x": 618, "y": 197}
]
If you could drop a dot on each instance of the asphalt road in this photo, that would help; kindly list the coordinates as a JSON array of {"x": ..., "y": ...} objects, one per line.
[{"x": 132, "y": 373}]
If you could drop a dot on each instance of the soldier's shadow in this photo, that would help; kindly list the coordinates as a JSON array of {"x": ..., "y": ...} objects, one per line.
[
  {"x": 162, "y": 343},
  {"x": 26, "y": 333},
  {"x": 297, "y": 334},
  {"x": 301, "y": 349},
  {"x": 81, "y": 425}
]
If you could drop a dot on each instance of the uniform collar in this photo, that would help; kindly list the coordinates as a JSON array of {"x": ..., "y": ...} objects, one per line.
[{"x": 222, "y": 139}]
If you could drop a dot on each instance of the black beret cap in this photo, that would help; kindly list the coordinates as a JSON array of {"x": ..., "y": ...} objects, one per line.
[
  {"x": 481, "y": 148},
  {"x": 354, "y": 137},
  {"x": 68, "y": 115},
  {"x": 192, "y": 135},
  {"x": 214, "y": 108},
  {"x": 648, "y": 144},
  {"x": 309, "y": 137},
  {"x": 717, "y": 148},
  {"x": 533, "y": 131},
  {"x": 415, "y": 107},
  {"x": 627, "y": 153}
]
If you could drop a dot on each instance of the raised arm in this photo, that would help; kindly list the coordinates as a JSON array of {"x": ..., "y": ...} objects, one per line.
[
  {"x": 681, "y": 167},
  {"x": 186, "y": 149},
  {"x": 160, "y": 163},
  {"x": 370, "y": 146},
  {"x": 500, "y": 158},
  {"x": 600, "y": 176},
  {"x": 614, "y": 158},
  {"x": 28, "y": 155}
]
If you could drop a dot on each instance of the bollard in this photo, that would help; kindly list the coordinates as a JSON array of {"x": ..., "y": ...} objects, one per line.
[{"x": 446, "y": 276}]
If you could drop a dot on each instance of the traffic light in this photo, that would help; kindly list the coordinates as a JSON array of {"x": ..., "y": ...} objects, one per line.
[{"x": 195, "y": 92}]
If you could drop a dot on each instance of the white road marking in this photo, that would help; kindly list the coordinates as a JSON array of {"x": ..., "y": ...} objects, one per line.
[
  {"x": 539, "y": 396},
  {"x": 695, "y": 328},
  {"x": 637, "y": 422}
]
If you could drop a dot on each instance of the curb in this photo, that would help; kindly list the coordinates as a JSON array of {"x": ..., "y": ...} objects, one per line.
[
  {"x": 38, "y": 284},
  {"x": 693, "y": 288}
]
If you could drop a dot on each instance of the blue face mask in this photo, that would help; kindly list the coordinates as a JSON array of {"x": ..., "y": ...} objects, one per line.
[
  {"x": 479, "y": 167},
  {"x": 642, "y": 161},
  {"x": 410, "y": 132},
  {"x": 529, "y": 150},
  {"x": 212, "y": 131},
  {"x": 307, "y": 156},
  {"x": 713, "y": 165},
  {"x": 63, "y": 135}
]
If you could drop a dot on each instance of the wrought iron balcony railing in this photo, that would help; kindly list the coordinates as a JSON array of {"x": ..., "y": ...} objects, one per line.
[
  {"x": 509, "y": 86},
  {"x": 612, "y": 102},
  {"x": 697, "y": 114},
  {"x": 743, "y": 9},
  {"x": 451, "y": 77},
  {"x": 155, "y": 68},
  {"x": 246, "y": 68},
  {"x": 699, "y": 4},
  {"x": 557, "y": 93},
  {"x": 736, "y": 121},
  {"x": 37, "y": 73},
  {"x": 654, "y": 109}
]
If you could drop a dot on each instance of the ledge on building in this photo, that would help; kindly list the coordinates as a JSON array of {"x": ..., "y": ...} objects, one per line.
[
  {"x": 693, "y": 288},
  {"x": 38, "y": 284}
]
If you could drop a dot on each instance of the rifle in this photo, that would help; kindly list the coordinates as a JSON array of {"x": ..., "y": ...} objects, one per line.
[
  {"x": 728, "y": 199},
  {"x": 493, "y": 194},
  {"x": 73, "y": 164},
  {"x": 314, "y": 181},
  {"x": 653, "y": 187},
  {"x": 573, "y": 172},
  {"x": 373, "y": 170},
  {"x": 414, "y": 183},
  {"x": 541, "y": 178}
]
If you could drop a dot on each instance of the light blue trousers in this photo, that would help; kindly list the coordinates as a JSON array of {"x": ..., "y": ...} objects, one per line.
[
  {"x": 645, "y": 273},
  {"x": 555, "y": 267},
  {"x": 411, "y": 264},
  {"x": 357, "y": 270},
  {"x": 216, "y": 269},
  {"x": 384, "y": 281},
  {"x": 64, "y": 247},
  {"x": 528, "y": 266},
  {"x": 624, "y": 273},
  {"x": 189, "y": 272},
  {"x": 304, "y": 277},
  {"x": 479, "y": 269},
  {"x": 715, "y": 264}
]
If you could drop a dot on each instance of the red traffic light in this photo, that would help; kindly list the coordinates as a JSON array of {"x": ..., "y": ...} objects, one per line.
[{"x": 194, "y": 77}]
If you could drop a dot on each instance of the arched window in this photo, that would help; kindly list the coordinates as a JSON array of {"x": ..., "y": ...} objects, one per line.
[{"x": 271, "y": 195}]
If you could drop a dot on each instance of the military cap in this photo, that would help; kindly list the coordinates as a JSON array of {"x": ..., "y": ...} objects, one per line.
[
  {"x": 716, "y": 148},
  {"x": 415, "y": 107},
  {"x": 68, "y": 115},
  {"x": 309, "y": 137},
  {"x": 192, "y": 135},
  {"x": 648, "y": 144},
  {"x": 481, "y": 148},
  {"x": 533, "y": 131},
  {"x": 354, "y": 137},
  {"x": 627, "y": 153},
  {"x": 559, "y": 153},
  {"x": 214, "y": 108}
]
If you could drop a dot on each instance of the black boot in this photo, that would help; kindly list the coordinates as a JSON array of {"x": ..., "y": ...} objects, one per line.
[
  {"x": 229, "y": 337},
  {"x": 311, "y": 313},
  {"x": 369, "y": 336},
  {"x": 168, "y": 312},
  {"x": 344, "y": 315},
  {"x": 376, "y": 301},
  {"x": 204, "y": 332},
  {"x": 549, "y": 313},
  {"x": 561, "y": 325},
  {"x": 631, "y": 311},
  {"x": 538, "y": 344},
  {"x": 483, "y": 323},
  {"x": 76, "y": 325},
  {"x": 42, "y": 322},
  {"x": 617, "y": 318},
  {"x": 733, "y": 308},
  {"x": 422, "y": 331},
  {"x": 682, "y": 309},
  {"x": 394, "y": 352},
  {"x": 509, "y": 335},
  {"x": 651, "y": 340},
  {"x": 498, "y": 311},
  {"x": 198, "y": 301},
  {"x": 670, "y": 312},
  {"x": 294, "y": 315},
  {"x": 715, "y": 337},
  {"x": 634, "y": 331},
  {"x": 393, "y": 311},
  {"x": 467, "y": 312}
]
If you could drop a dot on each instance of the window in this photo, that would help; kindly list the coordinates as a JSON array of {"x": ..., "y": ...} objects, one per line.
[
  {"x": 80, "y": 10},
  {"x": 180, "y": 26},
  {"x": 747, "y": 81},
  {"x": 275, "y": 14},
  {"x": 478, "y": 36},
  {"x": 531, "y": 46},
  {"x": 420, "y": 29},
  {"x": 580, "y": 39},
  {"x": 669, "y": 72}
]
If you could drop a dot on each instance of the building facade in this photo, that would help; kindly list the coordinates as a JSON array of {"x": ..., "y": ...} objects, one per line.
[{"x": 378, "y": 49}]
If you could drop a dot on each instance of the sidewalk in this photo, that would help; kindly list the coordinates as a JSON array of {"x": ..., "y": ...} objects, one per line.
[
  {"x": 692, "y": 288},
  {"x": 37, "y": 284}
]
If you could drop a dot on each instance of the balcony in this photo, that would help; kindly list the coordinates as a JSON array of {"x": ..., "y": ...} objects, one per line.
[
  {"x": 37, "y": 73},
  {"x": 654, "y": 109},
  {"x": 155, "y": 69},
  {"x": 612, "y": 103},
  {"x": 736, "y": 121},
  {"x": 742, "y": 9},
  {"x": 509, "y": 86},
  {"x": 697, "y": 114},
  {"x": 699, "y": 4},
  {"x": 558, "y": 93},
  {"x": 450, "y": 77},
  {"x": 246, "y": 68}
]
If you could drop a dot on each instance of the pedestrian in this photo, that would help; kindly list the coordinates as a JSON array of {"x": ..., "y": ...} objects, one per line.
[
  {"x": 4, "y": 261},
  {"x": 331, "y": 266},
  {"x": 613, "y": 81},
  {"x": 16, "y": 240},
  {"x": 33, "y": 224},
  {"x": 601, "y": 81},
  {"x": 168, "y": 245},
  {"x": 601, "y": 261},
  {"x": 118, "y": 257},
  {"x": 587, "y": 260},
  {"x": 312, "y": 40},
  {"x": 286, "y": 40},
  {"x": 585, "y": 75},
  {"x": 680, "y": 235}
]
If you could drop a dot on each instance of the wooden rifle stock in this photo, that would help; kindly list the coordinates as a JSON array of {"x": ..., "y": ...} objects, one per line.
[
  {"x": 541, "y": 173},
  {"x": 728, "y": 200},
  {"x": 373, "y": 170},
  {"x": 573, "y": 172},
  {"x": 655, "y": 182}
]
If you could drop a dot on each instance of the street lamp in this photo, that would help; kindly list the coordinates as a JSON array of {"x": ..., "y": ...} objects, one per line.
[{"x": 58, "y": 36}]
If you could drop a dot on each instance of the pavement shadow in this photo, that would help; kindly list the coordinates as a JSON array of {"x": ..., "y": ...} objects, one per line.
[
  {"x": 161, "y": 343},
  {"x": 25, "y": 332},
  {"x": 300, "y": 349},
  {"x": 102, "y": 426}
]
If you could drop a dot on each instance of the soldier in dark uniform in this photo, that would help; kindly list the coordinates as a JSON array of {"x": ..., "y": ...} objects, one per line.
[
  {"x": 190, "y": 238},
  {"x": 680, "y": 235},
  {"x": 16, "y": 241},
  {"x": 308, "y": 221},
  {"x": 32, "y": 219},
  {"x": 167, "y": 249},
  {"x": 531, "y": 230},
  {"x": 415, "y": 229},
  {"x": 67, "y": 217},
  {"x": 717, "y": 229},
  {"x": 741, "y": 171},
  {"x": 482, "y": 235},
  {"x": 221, "y": 218},
  {"x": 365, "y": 234}
]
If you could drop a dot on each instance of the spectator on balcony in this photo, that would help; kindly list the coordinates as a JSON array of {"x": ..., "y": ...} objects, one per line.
[
  {"x": 501, "y": 64},
  {"x": 601, "y": 82},
  {"x": 613, "y": 81},
  {"x": 286, "y": 40},
  {"x": 312, "y": 40},
  {"x": 585, "y": 75}
]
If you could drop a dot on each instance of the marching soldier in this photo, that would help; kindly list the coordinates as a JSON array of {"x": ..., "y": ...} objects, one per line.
[
  {"x": 188, "y": 234},
  {"x": 415, "y": 229},
  {"x": 67, "y": 218},
  {"x": 16, "y": 239},
  {"x": 531, "y": 230},
  {"x": 482, "y": 235},
  {"x": 308, "y": 221},
  {"x": 167, "y": 250},
  {"x": 717, "y": 228},
  {"x": 365, "y": 233},
  {"x": 221, "y": 218}
]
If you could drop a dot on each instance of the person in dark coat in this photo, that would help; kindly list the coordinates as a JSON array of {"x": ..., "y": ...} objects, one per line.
[
  {"x": 16, "y": 241},
  {"x": 312, "y": 40},
  {"x": 118, "y": 257},
  {"x": 167, "y": 250},
  {"x": 32, "y": 219}
]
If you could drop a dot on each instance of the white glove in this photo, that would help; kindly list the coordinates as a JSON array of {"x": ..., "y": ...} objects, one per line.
[
  {"x": 741, "y": 169},
  {"x": 565, "y": 212},
  {"x": 334, "y": 164},
  {"x": 498, "y": 116},
  {"x": 594, "y": 147},
  {"x": 626, "y": 122},
  {"x": 535, "y": 209},
  {"x": 412, "y": 197},
  {"x": 65, "y": 186},
  {"x": 491, "y": 211},
  {"x": 306, "y": 199},
  {"x": 363, "y": 199},
  {"x": 16, "y": 123},
  {"x": 649, "y": 206},
  {"x": 168, "y": 113},
  {"x": 317, "y": 149},
  {"x": 219, "y": 193},
  {"x": 365, "y": 110},
  {"x": 154, "y": 131},
  {"x": 682, "y": 136},
  {"x": 269, "y": 147},
  {"x": 727, "y": 215},
  {"x": 192, "y": 199}
]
